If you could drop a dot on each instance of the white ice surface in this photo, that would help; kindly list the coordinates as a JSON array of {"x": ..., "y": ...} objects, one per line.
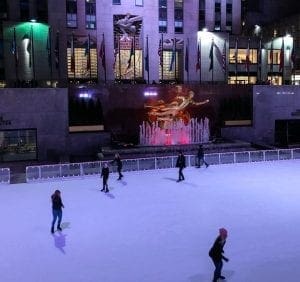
[{"x": 152, "y": 229}]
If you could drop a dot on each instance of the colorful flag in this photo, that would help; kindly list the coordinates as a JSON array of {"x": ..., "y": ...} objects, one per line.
[
  {"x": 247, "y": 62},
  {"x": 147, "y": 56},
  {"x": 281, "y": 56},
  {"x": 211, "y": 55},
  {"x": 224, "y": 57},
  {"x": 116, "y": 50},
  {"x": 87, "y": 53},
  {"x": 160, "y": 52},
  {"x": 56, "y": 50},
  {"x": 198, "y": 63},
  {"x": 48, "y": 47},
  {"x": 72, "y": 54},
  {"x": 173, "y": 56},
  {"x": 102, "y": 53},
  {"x": 131, "y": 53},
  {"x": 186, "y": 61}
]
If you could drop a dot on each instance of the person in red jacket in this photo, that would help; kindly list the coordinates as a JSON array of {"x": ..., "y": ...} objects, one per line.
[
  {"x": 57, "y": 206},
  {"x": 216, "y": 254}
]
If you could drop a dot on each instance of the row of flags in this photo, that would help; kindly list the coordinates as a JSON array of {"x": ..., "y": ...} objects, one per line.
[{"x": 214, "y": 52}]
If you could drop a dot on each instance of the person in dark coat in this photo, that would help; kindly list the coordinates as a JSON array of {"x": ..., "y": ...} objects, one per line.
[
  {"x": 104, "y": 175},
  {"x": 200, "y": 157},
  {"x": 117, "y": 160},
  {"x": 57, "y": 206},
  {"x": 216, "y": 254},
  {"x": 180, "y": 163}
]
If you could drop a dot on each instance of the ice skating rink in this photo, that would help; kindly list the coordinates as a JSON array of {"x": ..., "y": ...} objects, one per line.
[{"x": 151, "y": 229}]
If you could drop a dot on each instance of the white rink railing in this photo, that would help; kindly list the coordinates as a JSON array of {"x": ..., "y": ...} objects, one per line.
[
  {"x": 4, "y": 175},
  {"x": 58, "y": 171}
]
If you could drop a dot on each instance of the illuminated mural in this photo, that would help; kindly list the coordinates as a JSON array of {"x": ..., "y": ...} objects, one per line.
[
  {"x": 171, "y": 123},
  {"x": 175, "y": 110}
]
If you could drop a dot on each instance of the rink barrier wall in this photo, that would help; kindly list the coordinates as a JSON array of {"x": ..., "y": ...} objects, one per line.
[
  {"x": 4, "y": 175},
  {"x": 59, "y": 171}
]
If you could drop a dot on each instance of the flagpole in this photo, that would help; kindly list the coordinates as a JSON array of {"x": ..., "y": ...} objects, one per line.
[
  {"x": 236, "y": 59},
  {"x": 104, "y": 59},
  {"x": 147, "y": 46},
  {"x": 212, "y": 59},
  {"x": 187, "y": 60},
  {"x": 32, "y": 54},
  {"x": 225, "y": 62},
  {"x": 89, "y": 56},
  {"x": 271, "y": 67},
  {"x": 134, "y": 59},
  {"x": 283, "y": 81},
  {"x": 200, "y": 72},
  {"x": 57, "y": 54},
  {"x": 175, "y": 73},
  {"x": 16, "y": 55},
  {"x": 260, "y": 60},
  {"x": 50, "y": 54},
  {"x": 248, "y": 62},
  {"x": 119, "y": 57},
  {"x": 162, "y": 57}
]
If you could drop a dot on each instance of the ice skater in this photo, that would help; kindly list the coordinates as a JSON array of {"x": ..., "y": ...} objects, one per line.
[
  {"x": 57, "y": 206},
  {"x": 104, "y": 175},
  {"x": 180, "y": 163},
  {"x": 216, "y": 254},
  {"x": 117, "y": 160},
  {"x": 200, "y": 157}
]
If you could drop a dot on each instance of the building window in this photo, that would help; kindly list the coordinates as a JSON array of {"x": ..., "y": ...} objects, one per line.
[
  {"x": 3, "y": 9},
  {"x": 178, "y": 16},
  {"x": 18, "y": 145},
  {"x": 228, "y": 25},
  {"x": 71, "y": 13},
  {"x": 242, "y": 79},
  {"x": 201, "y": 19},
  {"x": 169, "y": 68},
  {"x": 90, "y": 14},
  {"x": 217, "y": 16},
  {"x": 217, "y": 7},
  {"x": 139, "y": 3},
  {"x": 84, "y": 64},
  {"x": 116, "y": 2},
  {"x": 241, "y": 56},
  {"x": 24, "y": 10},
  {"x": 276, "y": 57},
  {"x": 275, "y": 79},
  {"x": 162, "y": 16}
]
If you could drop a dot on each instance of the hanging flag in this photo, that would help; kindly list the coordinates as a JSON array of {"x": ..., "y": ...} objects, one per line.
[
  {"x": 211, "y": 55},
  {"x": 186, "y": 61},
  {"x": 198, "y": 63},
  {"x": 173, "y": 56},
  {"x": 102, "y": 53},
  {"x": 147, "y": 56},
  {"x": 72, "y": 54},
  {"x": 160, "y": 52},
  {"x": 14, "y": 48},
  {"x": 293, "y": 58},
  {"x": 48, "y": 47},
  {"x": 281, "y": 56},
  {"x": 87, "y": 53},
  {"x": 224, "y": 57},
  {"x": 247, "y": 62},
  {"x": 56, "y": 50},
  {"x": 131, "y": 54},
  {"x": 271, "y": 56}
]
